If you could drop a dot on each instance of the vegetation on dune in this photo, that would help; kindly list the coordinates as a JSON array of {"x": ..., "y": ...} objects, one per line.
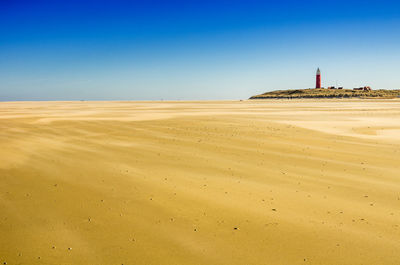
[{"x": 328, "y": 93}]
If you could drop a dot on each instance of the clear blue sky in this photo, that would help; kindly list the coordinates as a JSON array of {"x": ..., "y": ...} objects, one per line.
[{"x": 151, "y": 50}]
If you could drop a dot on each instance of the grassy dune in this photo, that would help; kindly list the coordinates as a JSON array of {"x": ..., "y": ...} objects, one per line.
[
  {"x": 253, "y": 182},
  {"x": 328, "y": 93}
]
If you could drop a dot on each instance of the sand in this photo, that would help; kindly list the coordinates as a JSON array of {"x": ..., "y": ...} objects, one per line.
[{"x": 230, "y": 182}]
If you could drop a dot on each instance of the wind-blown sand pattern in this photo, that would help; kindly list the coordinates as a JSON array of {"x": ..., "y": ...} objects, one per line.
[{"x": 252, "y": 182}]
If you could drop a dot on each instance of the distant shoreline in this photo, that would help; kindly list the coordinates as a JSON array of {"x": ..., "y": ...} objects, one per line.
[{"x": 329, "y": 94}]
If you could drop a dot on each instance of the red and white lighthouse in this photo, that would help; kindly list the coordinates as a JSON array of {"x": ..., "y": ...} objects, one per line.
[{"x": 318, "y": 85}]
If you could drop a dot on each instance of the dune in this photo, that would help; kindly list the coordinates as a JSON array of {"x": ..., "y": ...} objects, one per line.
[{"x": 200, "y": 182}]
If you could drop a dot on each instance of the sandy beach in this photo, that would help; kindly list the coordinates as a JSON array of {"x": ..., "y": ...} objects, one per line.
[{"x": 208, "y": 182}]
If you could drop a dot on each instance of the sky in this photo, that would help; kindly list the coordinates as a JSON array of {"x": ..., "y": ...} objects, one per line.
[{"x": 193, "y": 49}]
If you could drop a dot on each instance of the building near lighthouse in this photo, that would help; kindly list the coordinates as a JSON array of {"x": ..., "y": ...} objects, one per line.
[{"x": 318, "y": 81}]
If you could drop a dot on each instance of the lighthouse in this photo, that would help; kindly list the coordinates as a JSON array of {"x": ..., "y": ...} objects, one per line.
[{"x": 318, "y": 85}]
